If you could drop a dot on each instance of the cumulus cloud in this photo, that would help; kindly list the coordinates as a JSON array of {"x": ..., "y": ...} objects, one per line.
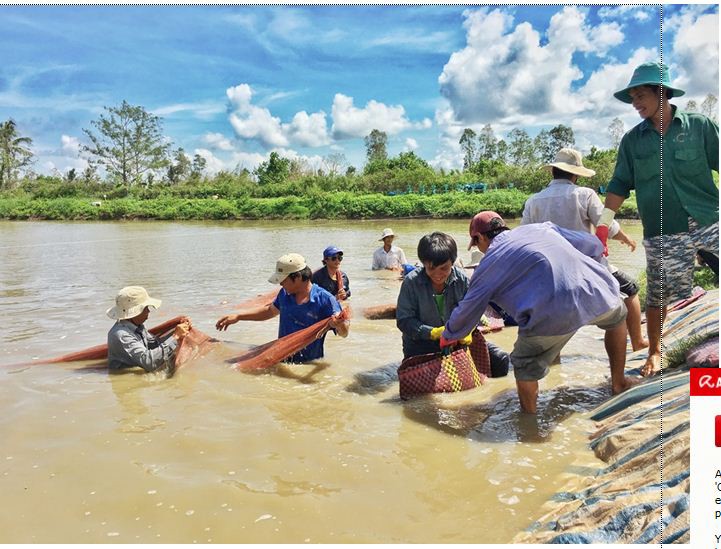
[
  {"x": 350, "y": 121},
  {"x": 308, "y": 129},
  {"x": 70, "y": 145},
  {"x": 694, "y": 57},
  {"x": 640, "y": 13},
  {"x": 213, "y": 164},
  {"x": 247, "y": 160},
  {"x": 506, "y": 72},
  {"x": 60, "y": 160},
  {"x": 217, "y": 141},
  {"x": 411, "y": 144},
  {"x": 253, "y": 122}
]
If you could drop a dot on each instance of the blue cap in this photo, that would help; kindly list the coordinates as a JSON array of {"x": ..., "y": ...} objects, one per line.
[{"x": 331, "y": 251}]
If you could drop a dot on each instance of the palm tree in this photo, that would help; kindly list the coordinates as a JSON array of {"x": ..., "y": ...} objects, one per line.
[{"x": 14, "y": 153}]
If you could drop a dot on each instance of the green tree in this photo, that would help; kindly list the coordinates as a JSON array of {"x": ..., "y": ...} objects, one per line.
[
  {"x": 129, "y": 143},
  {"x": 274, "y": 170},
  {"x": 543, "y": 147},
  {"x": 603, "y": 162},
  {"x": 502, "y": 151},
  {"x": 335, "y": 163},
  {"x": 376, "y": 146},
  {"x": 616, "y": 130},
  {"x": 691, "y": 106},
  {"x": 180, "y": 167},
  {"x": 520, "y": 148},
  {"x": 487, "y": 144},
  {"x": 198, "y": 167},
  {"x": 408, "y": 161},
  {"x": 15, "y": 153},
  {"x": 561, "y": 136},
  {"x": 90, "y": 174},
  {"x": 709, "y": 107},
  {"x": 468, "y": 145}
]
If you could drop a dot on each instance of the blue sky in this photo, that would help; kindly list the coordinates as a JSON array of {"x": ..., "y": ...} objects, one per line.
[{"x": 234, "y": 83}]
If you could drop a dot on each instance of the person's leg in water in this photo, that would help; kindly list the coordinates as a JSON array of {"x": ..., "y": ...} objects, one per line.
[{"x": 531, "y": 358}]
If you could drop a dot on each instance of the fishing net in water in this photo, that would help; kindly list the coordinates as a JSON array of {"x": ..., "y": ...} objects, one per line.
[
  {"x": 380, "y": 312},
  {"x": 492, "y": 323},
  {"x": 279, "y": 349},
  {"x": 258, "y": 301},
  {"x": 195, "y": 344}
]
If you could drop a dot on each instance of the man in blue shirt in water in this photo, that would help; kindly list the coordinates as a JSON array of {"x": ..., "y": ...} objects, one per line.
[
  {"x": 300, "y": 304},
  {"x": 551, "y": 281}
]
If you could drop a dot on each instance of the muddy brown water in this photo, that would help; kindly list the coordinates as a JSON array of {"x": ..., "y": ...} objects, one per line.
[{"x": 316, "y": 453}]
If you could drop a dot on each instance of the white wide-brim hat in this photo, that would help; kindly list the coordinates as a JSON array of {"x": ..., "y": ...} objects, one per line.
[
  {"x": 130, "y": 302},
  {"x": 286, "y": 265},
  {"x": 386, "y": 233},
  {"x": 570, "y": 160}
]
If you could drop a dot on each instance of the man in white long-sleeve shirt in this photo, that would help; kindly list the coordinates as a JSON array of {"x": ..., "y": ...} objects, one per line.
[
  {"x": 388, "y": 256},
  {"x": 579, "y": 209},
  {"x": 129, "y": 342}
]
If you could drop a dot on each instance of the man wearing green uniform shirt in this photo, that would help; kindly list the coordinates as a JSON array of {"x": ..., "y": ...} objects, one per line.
[{"x": 667, "y": 159}]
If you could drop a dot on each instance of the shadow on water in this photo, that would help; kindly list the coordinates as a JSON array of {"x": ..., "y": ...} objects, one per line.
[
  {"x": 500, "y": 420},
  {"x": 374, "y": 381}
]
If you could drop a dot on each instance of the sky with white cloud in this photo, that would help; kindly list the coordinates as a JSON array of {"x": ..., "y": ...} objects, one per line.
[{"x": 233, "y": 83}]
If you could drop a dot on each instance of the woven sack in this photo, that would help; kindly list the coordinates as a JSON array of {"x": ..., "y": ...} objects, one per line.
[
  {"x": 479, "y": 353},
  {"x": 439, "y": 373}
]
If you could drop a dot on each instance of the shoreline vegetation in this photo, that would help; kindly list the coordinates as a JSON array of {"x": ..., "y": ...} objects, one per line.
[
  {"x": 129, "y": 169},
  {"x": 314, "y": 205}
]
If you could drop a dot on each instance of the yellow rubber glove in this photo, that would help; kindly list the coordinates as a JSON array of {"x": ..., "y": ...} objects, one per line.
[
  {"x": 436, "y": 333},
  {"x": 466, "y": 340}
]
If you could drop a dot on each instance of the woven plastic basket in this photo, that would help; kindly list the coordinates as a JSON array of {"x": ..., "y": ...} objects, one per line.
[{"x": 439, "y": 373}]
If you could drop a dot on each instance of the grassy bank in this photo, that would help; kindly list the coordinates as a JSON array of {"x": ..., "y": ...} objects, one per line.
[{"x": 315, "y": 205}]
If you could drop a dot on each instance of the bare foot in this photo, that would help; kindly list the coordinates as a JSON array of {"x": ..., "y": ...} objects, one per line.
[
  {"x": 652, "y": 366},
  {"x": 628, "y": 382},
  {"x": 637, "y": 346}
]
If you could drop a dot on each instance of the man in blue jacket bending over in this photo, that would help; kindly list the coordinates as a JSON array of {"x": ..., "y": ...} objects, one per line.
[{"x": 551, "y": 281}]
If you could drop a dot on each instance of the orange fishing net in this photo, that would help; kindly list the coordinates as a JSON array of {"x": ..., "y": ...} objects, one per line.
[
  {"x": 279, "y": 349},
  {"x": 263, "y": 299},
  {"x": 388, "y": 311},
  {"x": 194, "y": 344},
  {"x": 380, "y": 312}
]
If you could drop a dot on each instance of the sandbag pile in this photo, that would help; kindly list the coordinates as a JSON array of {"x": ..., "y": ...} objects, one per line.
[{"x": 621, "y": 501}]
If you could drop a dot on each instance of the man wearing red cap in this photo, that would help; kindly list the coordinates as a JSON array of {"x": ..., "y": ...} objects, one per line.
[
  {"x": 667, "y": 159},
  {"x": 551, "y": 281}
]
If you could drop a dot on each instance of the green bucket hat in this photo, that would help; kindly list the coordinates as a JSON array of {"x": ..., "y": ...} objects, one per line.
[{"x": 652, "y": 74}]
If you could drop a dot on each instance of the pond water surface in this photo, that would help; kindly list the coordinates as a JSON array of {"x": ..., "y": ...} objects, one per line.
[{"x": 323, "y": 452}]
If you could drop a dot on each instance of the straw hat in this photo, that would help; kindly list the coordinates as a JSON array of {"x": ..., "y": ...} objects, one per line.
[
  {"x": 649, "y": 74},
  {"x": 130, "y": 302},
  {"x": 386, "y": 233},
  {"x": 286, "y": 265},
  {"x": 570, "y": 160}
]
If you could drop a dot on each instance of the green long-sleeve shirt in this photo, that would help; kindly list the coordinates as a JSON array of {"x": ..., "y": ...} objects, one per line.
[{"x": 690, "y": 152}]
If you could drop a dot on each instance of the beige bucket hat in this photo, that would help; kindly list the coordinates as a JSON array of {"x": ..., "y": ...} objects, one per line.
[
  {"x": 287, "y": 264},
  {"x": 130, "y": 302},
  {"x": 571, "y": 161},
  {"x": 386, "y": 233}
]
